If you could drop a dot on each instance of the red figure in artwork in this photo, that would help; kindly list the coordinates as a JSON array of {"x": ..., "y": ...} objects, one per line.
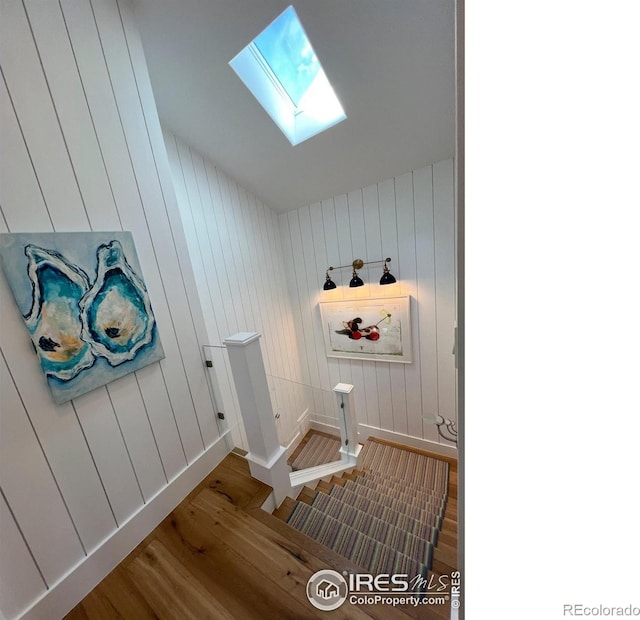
[{"x": 355, "y": 332}]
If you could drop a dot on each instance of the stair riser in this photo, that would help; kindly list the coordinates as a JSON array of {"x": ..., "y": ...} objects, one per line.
[
  {"x": 369, "y": 490},
  {"x": 387, "y": 516},
  {"x": 362, "y": 502},
  {"x": 345, "y": 512},
  {"x": 361, "y": 548}
]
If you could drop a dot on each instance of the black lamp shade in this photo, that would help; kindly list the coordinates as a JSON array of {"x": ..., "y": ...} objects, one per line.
[
  {"x": 356, "y": 281},
  {"x": 329, "y": 285},
  {"x": 387, "y": 278}
]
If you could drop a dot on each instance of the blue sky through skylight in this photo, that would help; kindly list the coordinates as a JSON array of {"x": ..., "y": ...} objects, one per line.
[
  {"x": 282, "y": 72},
  {"x": 285, "y": 47}
]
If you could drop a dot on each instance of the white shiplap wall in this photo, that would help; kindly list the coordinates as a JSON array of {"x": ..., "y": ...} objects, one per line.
[
  {"x": 233, "y": 241},
  {"x": 82, "y": 150},
  {"x": 411, "y": 219}
]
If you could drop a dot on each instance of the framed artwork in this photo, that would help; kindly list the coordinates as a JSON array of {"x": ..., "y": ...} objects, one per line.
[
  {"x": 368, "y": 329},
  {"x": 85, "y": 305}
]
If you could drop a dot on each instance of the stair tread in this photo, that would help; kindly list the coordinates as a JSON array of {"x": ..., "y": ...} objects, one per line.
[
  {"x": 414, "y": 547},
  {"x": 336, "y": 508},
  {"x": 405, "y": 465},
  {"x": 402, "y": 519},
  {"x": 364, "y": 501},
  {"x": 384, "y": 484},
  {"x": 370, "y": 553},
  {"x": 437, "y": 503},
  {"x": 421, "y": 485}
]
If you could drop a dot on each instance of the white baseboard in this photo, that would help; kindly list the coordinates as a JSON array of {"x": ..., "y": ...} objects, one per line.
[
  {"x": 327, "y": 419},
  {"x": 365, "y": 431},
  {"x": 293, "y": 444},
  {"x": 64, "y": 595},
  {"x": 325, "y": 428}
]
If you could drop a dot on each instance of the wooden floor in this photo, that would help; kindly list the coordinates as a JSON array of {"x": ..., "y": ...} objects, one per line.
[{"x": 218, "y": 555}]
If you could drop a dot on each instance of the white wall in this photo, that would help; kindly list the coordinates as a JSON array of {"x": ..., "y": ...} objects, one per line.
[
  {"x": 234, "y": 246},
  {"x": 82, "y": 149},
  {"x": 410, "y": 219}
]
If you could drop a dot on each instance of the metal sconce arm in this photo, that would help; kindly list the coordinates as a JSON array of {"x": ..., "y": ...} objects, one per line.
[{"x": 358, "y": 263}]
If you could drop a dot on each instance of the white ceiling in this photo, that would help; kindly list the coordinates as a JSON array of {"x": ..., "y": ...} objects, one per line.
[{"x": 391, "y": 63}]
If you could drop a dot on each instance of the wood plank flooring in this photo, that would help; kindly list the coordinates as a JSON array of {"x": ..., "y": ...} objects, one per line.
[{"x": 218, "y": 555}]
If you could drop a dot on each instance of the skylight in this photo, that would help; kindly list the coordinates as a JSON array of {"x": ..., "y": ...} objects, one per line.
[{"x": 284, "y": 74}]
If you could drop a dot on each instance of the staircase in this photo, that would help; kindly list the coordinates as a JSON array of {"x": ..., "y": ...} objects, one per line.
[{"x": 397, "y": 514}]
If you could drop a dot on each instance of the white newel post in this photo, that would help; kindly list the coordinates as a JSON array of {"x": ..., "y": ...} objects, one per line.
[
  {"x": 347, "y": 420},
  {"x": 267, "y": 458}
]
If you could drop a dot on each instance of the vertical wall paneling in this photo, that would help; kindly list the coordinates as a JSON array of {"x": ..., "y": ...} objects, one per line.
[
  {"x": 192, "y": 385},
  {"x": 194, "y": 331},
  {"x": 282, "y": 401},
  {"x": 86, "y": 152},
  {"x": 159, "y": 391},
  {"x": 229, "y": 266},
  {"x": 18, "y": 182},
  {"x": 296, "y": 244},
  {"x": 236, "y": 209},
  {"x": 109, "y": 452},
  {"x": 198, "y": 227},
  {"x": 284, "y": 313},
  {"x": 220, "y": 314},
  {"x": 389, "y": 238},
  {"x": 359, "y": 250},
  {"x": 70, "y": 141},
  {"x": 290, "y": 391},
  {"x": 68, "y": 454},
  {"x": 410, "y": 219},
  {"x": 135, "y": 426},
  {"x": 346, "y": 257},
  {"x": 195, "y": 194},
  {"x": 192, "y": 190},
  {"x": 444, "y": 224},
  {"x": 38, "y": 119},
  {"x": 261, "y": 278},
  {"x": 313, "y": 284},
  {"x": 244, "y": 222},
  {"x": 389, "y": 245},
  {"x": 373, "y": 248},
  {"x": 99, "y": 87},
  {"x": 192, "y": 193},
  {"x": 162, "y": 420},
  {"x": 323, "y": 399},
  {"x": 40, "y": 500},
  {"x": 407, "y": 268},
  {"x": 224, "y": 316},
  {"x": 58, "y": 431},
  {"x": 20, "y": 577},
  {"x": 286, "y": 327},
  {"x": 333, "y": 255},
  {"x": 234, "y": 244},
  {"x": 56, "y": 55},
  {"x": 426, "y": 297},
  {"x": 301, "y": 319},
  {"x": 239, "y": 289},
  {"x": 275, "y": 333}
]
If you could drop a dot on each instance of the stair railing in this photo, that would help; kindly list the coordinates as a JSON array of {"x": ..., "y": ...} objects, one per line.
[{"x": 267, "y": 458}]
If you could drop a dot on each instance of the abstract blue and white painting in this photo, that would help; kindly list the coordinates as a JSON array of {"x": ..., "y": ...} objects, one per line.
[{"x": 85, "y": 306}]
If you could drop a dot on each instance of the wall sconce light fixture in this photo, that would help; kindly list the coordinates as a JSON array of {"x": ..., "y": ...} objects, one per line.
[{"x": 356, "y": 280}]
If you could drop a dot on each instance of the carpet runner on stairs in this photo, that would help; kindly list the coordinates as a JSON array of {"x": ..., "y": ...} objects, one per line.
[
  {"x": 320, "y": 449},
  {"x": 387, "y": 519}
]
